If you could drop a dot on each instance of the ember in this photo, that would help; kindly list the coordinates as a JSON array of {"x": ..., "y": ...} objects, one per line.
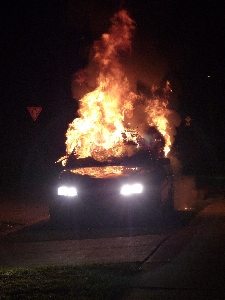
[{"x": 114, "y": 121}]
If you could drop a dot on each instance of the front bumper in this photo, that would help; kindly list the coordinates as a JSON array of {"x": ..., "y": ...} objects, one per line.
[{"x": 102, "y": 209}]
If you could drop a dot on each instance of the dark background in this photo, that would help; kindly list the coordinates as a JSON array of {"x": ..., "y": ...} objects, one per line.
[{"x": 43, "y": 43}]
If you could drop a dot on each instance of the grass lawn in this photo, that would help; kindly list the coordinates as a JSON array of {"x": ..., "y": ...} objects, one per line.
[{"x": 96, "y": 281}]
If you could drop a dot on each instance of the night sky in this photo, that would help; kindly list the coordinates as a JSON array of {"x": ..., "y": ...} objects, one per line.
[{"x": 43, "y": 43}]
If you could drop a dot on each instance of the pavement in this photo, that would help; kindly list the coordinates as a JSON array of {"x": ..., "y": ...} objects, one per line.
[{"x": 197, "y": 272}]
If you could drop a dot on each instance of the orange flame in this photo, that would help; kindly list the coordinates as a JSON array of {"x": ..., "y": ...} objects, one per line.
[{"x": 104, "y": 112}]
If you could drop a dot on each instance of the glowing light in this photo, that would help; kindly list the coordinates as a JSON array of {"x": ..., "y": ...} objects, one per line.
[
  {"x": 67, "y": 191},
  {"x": 129, "y": 189}
]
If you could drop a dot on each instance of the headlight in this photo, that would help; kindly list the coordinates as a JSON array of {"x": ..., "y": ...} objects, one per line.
[
  {"x": 67, "y": 191},
  {"x": 129, "y": 189}
]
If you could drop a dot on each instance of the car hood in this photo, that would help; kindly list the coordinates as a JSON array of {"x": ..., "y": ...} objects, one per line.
[{"x": 107, "y": 171}]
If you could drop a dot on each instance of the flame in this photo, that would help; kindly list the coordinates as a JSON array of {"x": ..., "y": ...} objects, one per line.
[
  {"x": 106, "y": 112},
  {"x": 105, "y": 171}
]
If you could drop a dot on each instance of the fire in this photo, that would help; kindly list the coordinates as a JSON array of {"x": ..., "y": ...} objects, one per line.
[
  {"x": 97, "y": 132},
  {"x": 157, "y": 116},
  {"x": 107, "y": 115},
  {"x": 100, "y": 172}
]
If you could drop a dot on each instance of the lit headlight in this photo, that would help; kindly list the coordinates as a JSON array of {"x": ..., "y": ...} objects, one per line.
[
  {"x": 129, "y": 189},
  {"x": 67, "y": 191}
]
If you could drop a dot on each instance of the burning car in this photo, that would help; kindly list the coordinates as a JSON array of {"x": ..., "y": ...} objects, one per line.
[
  {"x": 115, "y": 169},
  {"x": 123, "y": 191}
]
